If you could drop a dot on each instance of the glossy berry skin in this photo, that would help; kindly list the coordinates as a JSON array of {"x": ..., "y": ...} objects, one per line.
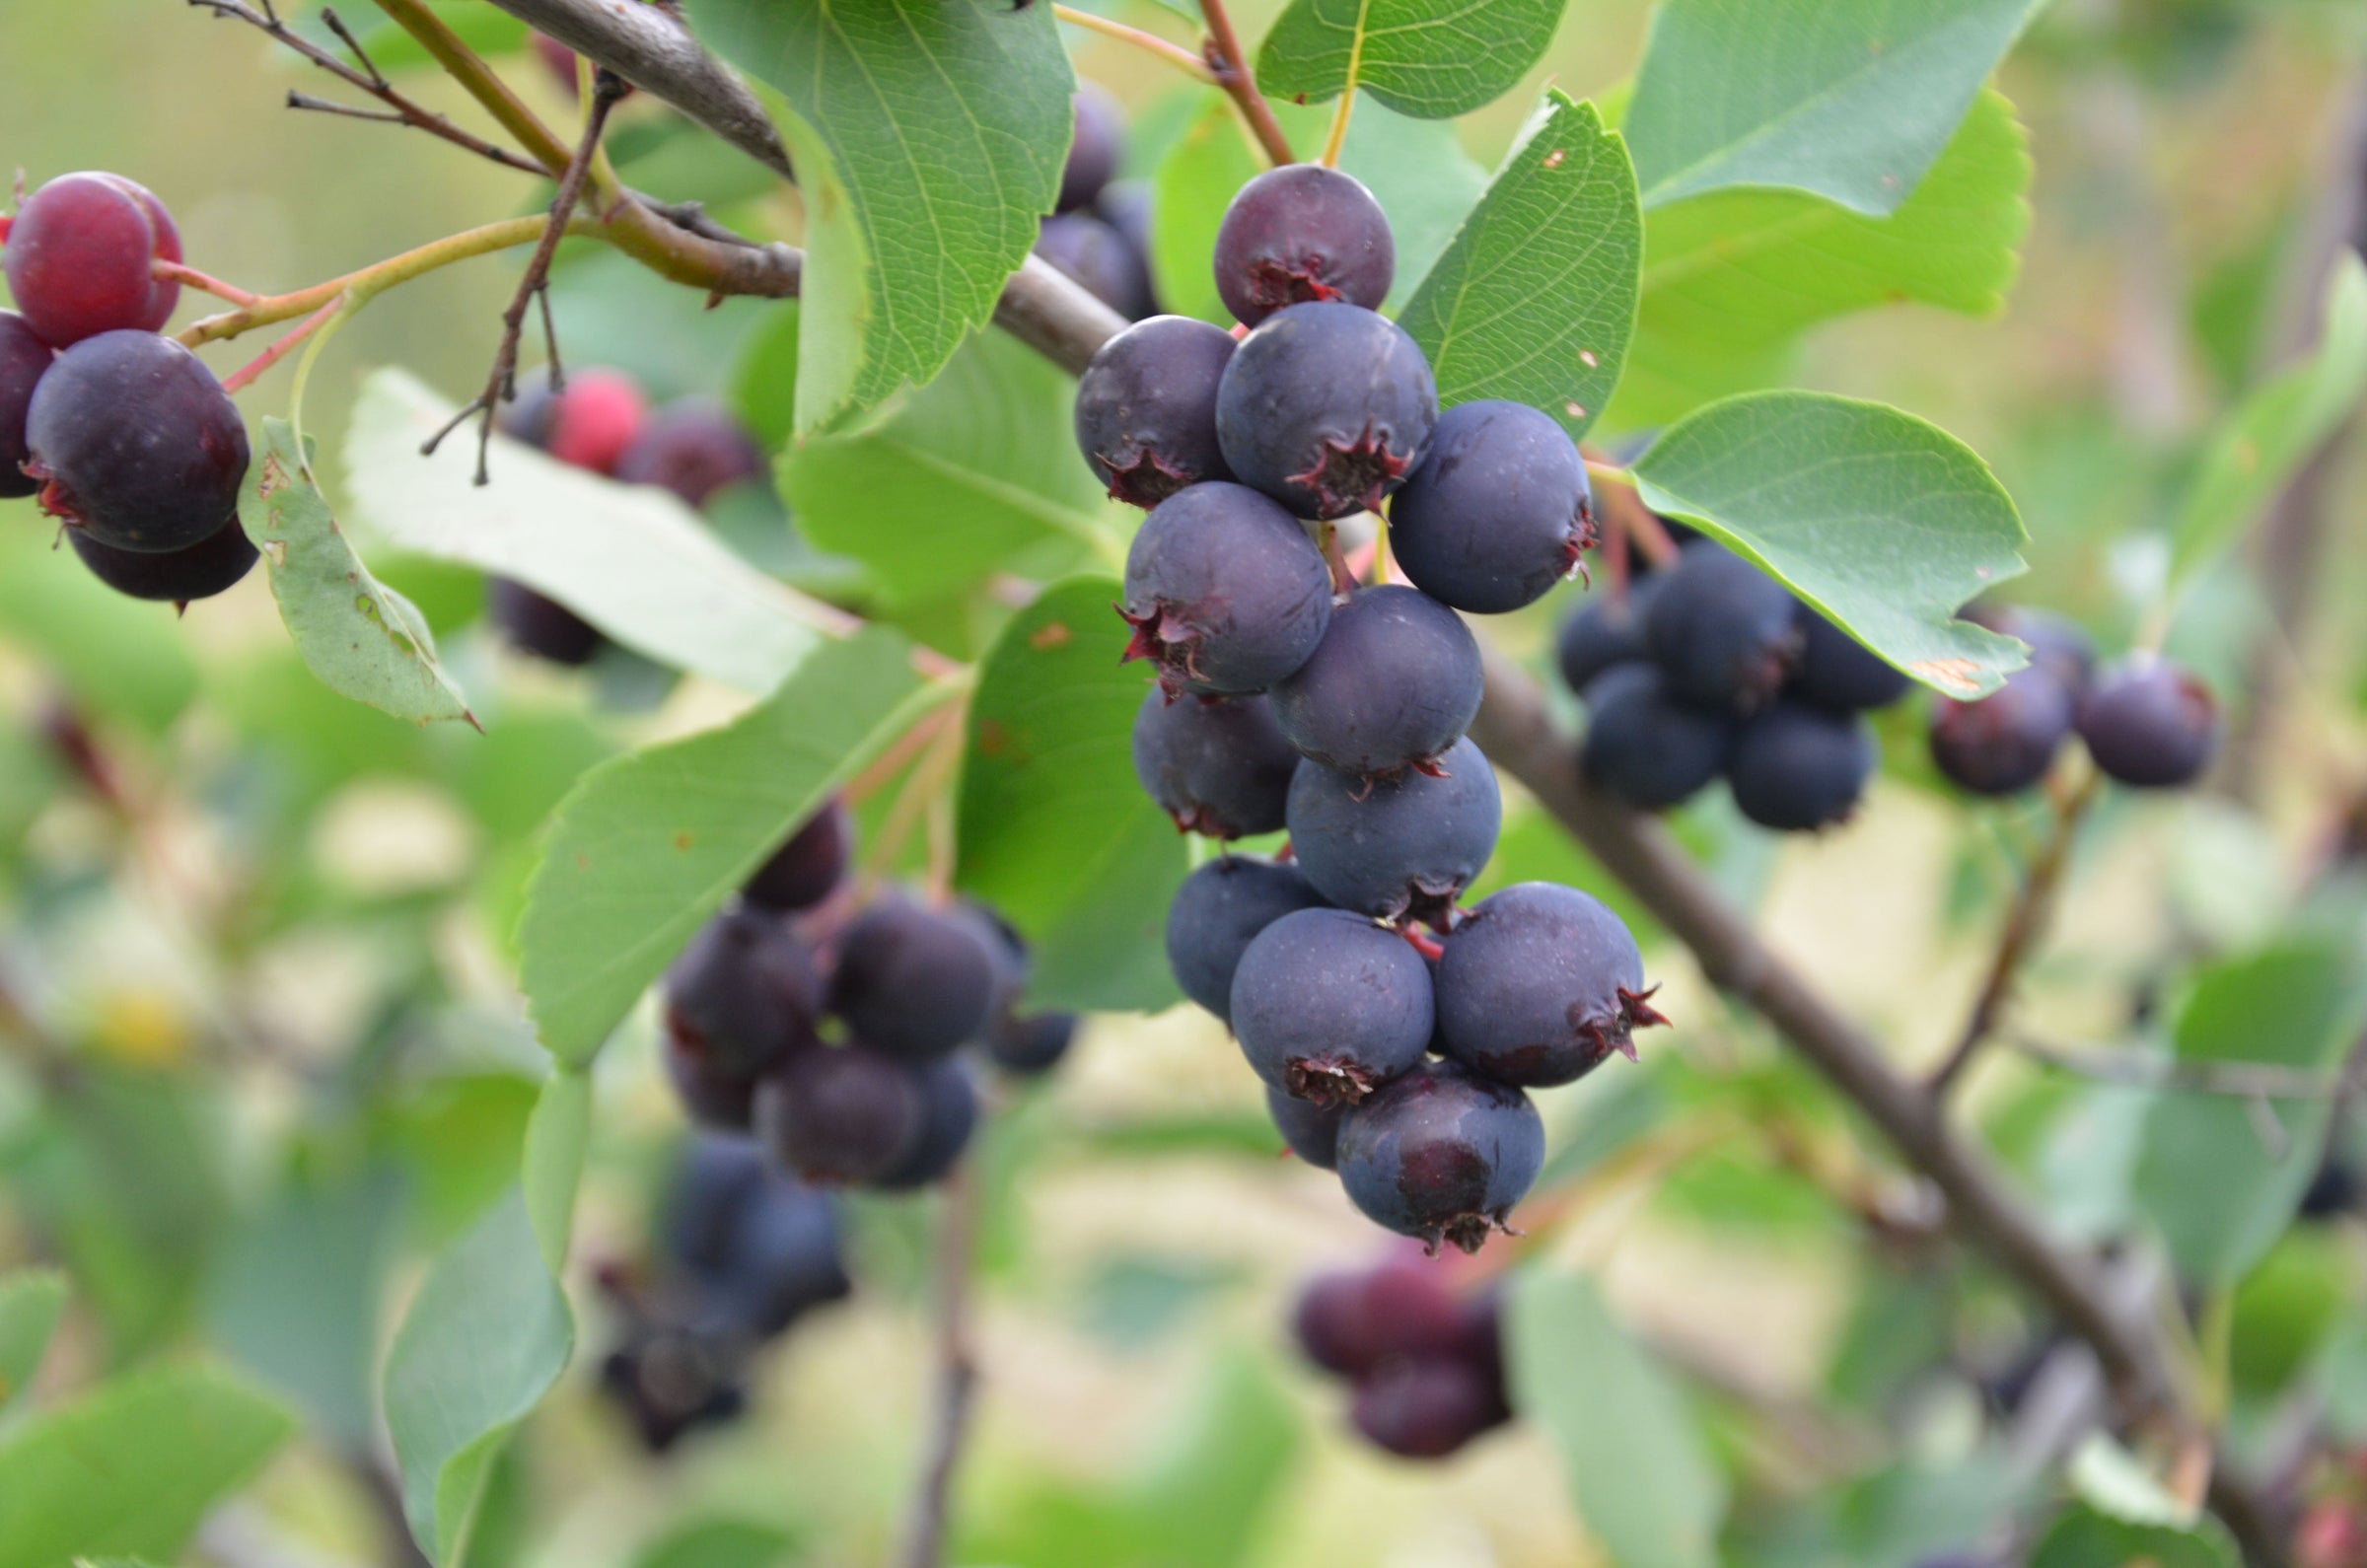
[
  {"x": 1395, "y": 683},
  {"x": 1217, "y": 765},
  {"x": 1094, "y": 149},
  {"x": 533, "y": 623},
  {"x": 2003, "y": 743},
  {"x": 1097, "y": 256},
  {"x": 1840, "y": 673},
  {"x": 1539, "y": 985},
  {"x": 711, "y": 1095},
  {"x": 2149, "y": 724},
  {"x": 1146, "y": 408},
  {"x": 1722, "y": 630},
  {"x": 842, "y": 1113},
  {"x": 22, "y": 358},
  {"x": 135, "y": 441},
  {"x": 1326, "y": 408},
  {"x": 951, "y": 1115},
  {"x": 744, "y": 994},
  {"x": 590, "y": 423},
  {"x": 1311, "y": 1131},
  {"x": 1797, "y": 768},
  {"x": 1498, "y": 512},
  {"x": 1395, "y": 848},
  {"x": 807, "y": 868},
  {"x": 211, "y": 566},
  {"x": 1298, "y": 233},
  {"x": 692, "y": 447},
  {"x": 1608, "y": 630},
  {"x": 1428, "y": 1408},
  {"x": 913, "y": 983},
  {"x": 1031, "y": 1043},
  {"x": 1225, "y": 591},
  {"x": 78, "y": 258},
  {"x": 1216, "y": 914},
  {"x": 1645, "y": 747},
  {"x": 1329, "y": 1006},
  {"x": 1442, "y": 1154}
]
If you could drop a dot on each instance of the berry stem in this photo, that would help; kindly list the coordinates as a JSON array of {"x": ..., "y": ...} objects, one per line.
[
  {"x": 1174, "y": 54},
  {"x": 1343, "y": 575},
  {"x": 957, "y": 1372},
  {"x": 247, "y": 375},
  {"x": 190, "y": 277},
  {"x": 1231, "y": 71}
]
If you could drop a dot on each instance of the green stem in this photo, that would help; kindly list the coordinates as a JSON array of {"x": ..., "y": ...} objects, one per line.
[
  {"x": 1174, "y": 54},
  {"x": 464, "y": 66}
]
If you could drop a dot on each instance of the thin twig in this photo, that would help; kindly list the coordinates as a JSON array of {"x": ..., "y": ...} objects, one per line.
[
  {"x": 1232, "y": 73},
  {"x": 957, "y": 1374},
  {"x": 189, "y": 277},
  {"x": 1174, "y": 54},
  {"x": 247, "y": 375}
]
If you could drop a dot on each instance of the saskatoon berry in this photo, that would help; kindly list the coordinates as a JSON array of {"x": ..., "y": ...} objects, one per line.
[
  {"x": 913, "y": 982},
  {"x": 1538, "y": 985},
  {"x": 1356, "y": 1320},
  {"x": 1146, "y": 408},
  {"x": 1310, "y": 1130},
  {"x": 1326, "y": 409},
  {"x": 1840, "y": 674},
  {"x": 1427, "y": 1408},
  {"x": 842, "y": 1113},
  {"x": 1301, "y": 233},
  {"x": 1127, "y": 207},
  {"x": 712, "y": 1096},
  {"x": 711, "y": 1186},
  {"x": 2334, "y": 1191},
  {"x": 1215, "y": 915},
  {"x": 1329, "y": 1006},
  {"x": 759, "y": 1239},
  {"x": 588, "y": 424},
  {"x": 1031, "y": 1043},
  {"x": 1797, "y": 768},
  {"x": 671, "y": 1382},
  {"x": 2149, "y": 724},
  {"x": 743, "y": 993},
  {"x": 1400, "y": 847},
  {"x": 533, "y": 623},
  {"x": 1393, "y": 683},
  {"x": 1645, "y": 747},
  {"x": 2005, "y": 742},
  {"x": 692, "y": 447},
  {"x": 135, "y": 441},
  {"x": 809, "y": 867},
  {"x": 1094, "y": 149},
  {"x": 1218, "y": 766},
  {"x": 1722, "y": 630},
  {"x": 22, "y": 358},
  {"x": 1442, "y": 1154},
  {"x": 210, "y": 566},
  {"x": 1101, "y": 258},
  {"x": 78, "y": 258},
  {"x": 1498, "y": 512},
  {"x": 1608, "y": 630},
  {"x": 1225, "y": 591},
  {"x": 951, "y": 1115}
]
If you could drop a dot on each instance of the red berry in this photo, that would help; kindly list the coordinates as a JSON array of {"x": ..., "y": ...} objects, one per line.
[{"x": 79, "y": 254}]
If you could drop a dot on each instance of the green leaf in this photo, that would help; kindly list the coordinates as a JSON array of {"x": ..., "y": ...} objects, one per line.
[
  {"x": 928, "y": 137},
  {"x": 631, "y": 560},
  {"x": 2274, "y": 431},
  {"x": 975, "y": 468},
  {"x": 118, "y": 657},
  {"x": 1055, "y": 830},
  {"x": 2221, "y": 1176},
  {"x": 1881, "y": 521},
  {"x": 553, "y": 1161},
  {"x": 1850, "y": 99},
  {"x": 720, "y": 1544},
  {"x": 647, "y": 846},
  {"x": 2085, "y": 1537},
  {"x": 485, "y": 1340},
  {"x": 1421, "y": 58},
  {"x": 1535, "y": 298},
  {"x": 1731, "y": 279},
  {"x": 30, "y": 1302},
  {"x": 363, "y": 639},
  {"x": 131, "y": 1466},
  {"x": 1638, "y": 1467}
]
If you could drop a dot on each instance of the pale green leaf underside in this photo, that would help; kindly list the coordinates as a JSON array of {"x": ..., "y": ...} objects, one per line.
[
  {"x": 649, "y": 844},
  {"x": 1421, "y": 58},
  {"x": 1732, "y": 278},
  {"x": 552, "y": 1164},
  {"x": 361, "y": 638},
  {"x": 928, "y": 137},
  {"x": 30, "y": 1301},
  {"x": 1850, "y": 99},
  {"x": 631, "y": 560},
  {"x": 1881, "y": 522},
  {"x": 1535, "y": 298}
]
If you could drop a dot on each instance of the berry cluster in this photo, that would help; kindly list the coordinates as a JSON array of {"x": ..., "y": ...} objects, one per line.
[
  {"x": 1290, "y": 699},
  {"x": 2145, "y": 721},
  {"x": 1101, "y": 234},
  {"x": 124, "y": 436},
  {"x": 1428, "y": 1365},
  {"x": 1710, "y": 667},
  {"x": 744, "y": 1251},
  {"x": 602, "y": 422},
  {"x": 885, "y": 1100}
]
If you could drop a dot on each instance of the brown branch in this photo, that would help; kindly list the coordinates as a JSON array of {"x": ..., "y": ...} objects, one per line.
[
  {"x": 1232, "y": 71},
  {"x": 957, "y": 1374}
]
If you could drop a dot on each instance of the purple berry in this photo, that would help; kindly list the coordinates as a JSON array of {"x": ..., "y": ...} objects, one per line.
[
  {"x": 2056, "y": 645},
  {"x": 1722, "y": 630},
  {"x": 591, "y": 424},
  {"x": 762, "y": 1246},
  {"x": 1538, "y": 985},
  {"x": 1426, "y": 1409},
  {"x": 1028, "y": 1044},
  {"x": 1216, "y": 914},
  {"x": 913, "y": 983},
  {"x": 2149, "y": 724},
  {"x": 1838, "y": 672},
  {"x": 1442, "y": 1154},
  {"x": 1797, "y": 768},
  {"x": 1326, "y": 408},
  {"x": 1101, "y": 258},
  {"x": 211, "y": 566},
  {"x": 692, "y": 447},
  {"x": 809, "y": 868},
  {"x": 951, "y": 1115},
  {"x": 2005, "y": 742},
  {"x": 1310, "y": 1130},
  {"x": 1355, "y": 1320},
  {"x": 1329, "y": 1006},
  {"x": 1395, "y": 683},
  {"x": 1302, "y": 232},
  {"x": 842, "y": 1113},
  {"x": 1218, "y": 766},
  {"x": 1608, "y": 630},
  {"x": 22, "y": 358},
  {"x": 1645, "y": 747},
  {"x": 1225, "y": 591},
  {"x": 744, "y": 994},
  {"x": 79, "y": 255},
  {"x": 1498, "y": 512},
  {"x": 1395, "y": 848},
  {"x": 134, "y": 440},
  {"x": 1146, "y": 408},
  {"x": 711, "y": 1095},
  {"x": 1094, "y": 149},
  {"x": 534, "y": 624}
]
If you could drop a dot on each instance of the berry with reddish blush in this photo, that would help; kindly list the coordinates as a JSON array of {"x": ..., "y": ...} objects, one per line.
[
  {"x": 1395, "y": 683},
  {"x": 1326, "y": 408},
  {"x": 1797, "y": 767},
  {"x": 1402, "y": 847},
  {"x": 1303, "y": 233},
  {"x": 1218, "y": 766},
  {"x": 2003, "y": 743},
  {"x": 1218, "y": 912},
  {"x": 1498, "y": 513},
  {"x": 1441, "y": 1154},
  {"x": 1146, "y": 408},
  {"x": 1538, "y": 985},
  {"x": 911, "y": 981},
  {"x": 134, "y": 440},
  {"x": 1645, "y": 747},
  {"x": 211, "y": 566},
  {"x": 1426, "y": 1409},
  {"x": 807, "y": 868},
  {"x": 1225, "y": 591},
  {"x": 79, "y": 259},
  {"x": 1354, "y": 1320},
  {"x": 1329, "y": 1006},
  {"x": 692, "y": 447},
  {"x": 743, "y": 995},
  {"x": 842, "y": 1113},
  {"x": 2149, "y": 724},
  {"x": 22, "y": 358},
  {"x": 589, "y": 423}
]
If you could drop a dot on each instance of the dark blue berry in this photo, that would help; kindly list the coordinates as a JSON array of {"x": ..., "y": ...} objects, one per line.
[
  {"x": 1394, "y": 848},
  {"x": 763, "y": 1246},
  {"x": 1326, "y": 408},
  {"x": 1095, "y": 148},
  {"x": 1394, "y": 683},
  {"x": 949, "y": 1115},
  {"x": 1442, "y": 1154},
  {"x": 1329, "y": 1006},
  {"x": 1498, "y": 512},
  {"x": 1797, "y": 768},
  {"x": 809, "y": 867},
  {"x": 22, "y": 358},
  {"x": 1538, "y": 985},
  {"x": 1838, "y": 672},
  {"x": 543, "y": 628},
  {"x": 1645, "y": 747},
  {"x": 744, "y": 994},
  {"x": 1218, "y": 766},
  {"x": 1607, "y": 630},
  {"x": 1216, "y": 914},
  {"x": 134, "y": 440},
  {"x": 2057, "y": 645},
  {"x": 1302, "y": 232},
  {"x": 1310, "y": 1130},
  {"x": 1722, "y": 630},
  {"x": 692, "y": 447},
  {"x": 2149, "y": 724},
  {"x": 842, "y": 1113},
  {"x": 2005, "y": 742},
  {"x": 712, "y": 1096},
  {"x": 911, "y": 981},
  {"x": 1146, "y": 408},
  {"x": 1033, "y": 1042},
  {"x": 1101, "y": 259},
  {"x": 1225, "y": 591},
  {"x": 210, "y": 567}
]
